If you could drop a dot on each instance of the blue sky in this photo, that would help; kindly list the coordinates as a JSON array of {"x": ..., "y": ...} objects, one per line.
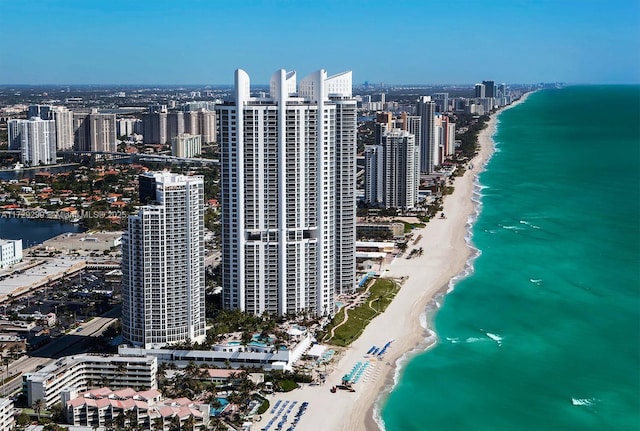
[{"x": 394, "y": 42}]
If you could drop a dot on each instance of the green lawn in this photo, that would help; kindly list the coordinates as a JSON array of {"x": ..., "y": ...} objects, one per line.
[{"x": 381, "y": 294}]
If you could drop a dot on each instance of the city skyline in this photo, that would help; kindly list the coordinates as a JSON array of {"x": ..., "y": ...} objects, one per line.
[{"x": 173, "y": 43}]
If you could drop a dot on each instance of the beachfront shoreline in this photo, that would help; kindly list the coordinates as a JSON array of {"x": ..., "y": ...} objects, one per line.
[{"x": 446, "y": 257}]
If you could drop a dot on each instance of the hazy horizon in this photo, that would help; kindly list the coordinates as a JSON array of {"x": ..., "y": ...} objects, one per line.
[{"x": 166, "y": 42}]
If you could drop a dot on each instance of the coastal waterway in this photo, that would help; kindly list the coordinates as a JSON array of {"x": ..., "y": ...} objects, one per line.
[
  {"x": 18, "y": 174},
  {"x": 34, "y": 232}
]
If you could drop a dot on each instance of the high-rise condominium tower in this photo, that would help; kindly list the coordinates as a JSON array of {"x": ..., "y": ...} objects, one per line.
[
  {"x": 392, "y": 168},
  {"x": 288, "y": 194},
  {"x": 35, "y": 138},
  {"x": 426, "y": 109},
  {"x": 94, "y": 131},
  {"x": 163, "y": 292},
  {"x": 64, "y": 127}
]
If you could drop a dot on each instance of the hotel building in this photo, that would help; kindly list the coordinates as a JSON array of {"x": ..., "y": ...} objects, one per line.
[
  {"x": 288, "y": 194},
  {"x": 163, "y": 291},
  {"x": 145, "y": 410},
  {"x": 87, "y": 371}
]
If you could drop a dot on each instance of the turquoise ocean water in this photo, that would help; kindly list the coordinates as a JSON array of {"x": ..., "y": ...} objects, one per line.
[{"x": 545, "y": 334}]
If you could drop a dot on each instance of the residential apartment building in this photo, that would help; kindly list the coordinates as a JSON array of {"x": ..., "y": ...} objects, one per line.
[
  {"x": 392, "y": 174},
  {"x": 37, "y": 140},
  {"x": 146, "y": 410},
  {"x": 7, "y": 421},
  {"x": 94, "y": 131},
  {"x": 163, "y": 291},
  {"x": 63, "y": 118},
  {"x": 186, "y": 145},
  {"x": 426, "y": 109},
  {"x": 160, "y": 126},
  {"x": 89, "y": 371},
  {"x": 288, "y": 194}
]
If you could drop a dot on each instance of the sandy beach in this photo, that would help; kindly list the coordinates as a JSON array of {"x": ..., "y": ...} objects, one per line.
[{"x": 445, "y": 255}]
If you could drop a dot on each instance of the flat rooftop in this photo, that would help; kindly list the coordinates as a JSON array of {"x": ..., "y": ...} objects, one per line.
[{"x": 89, "y": 241}]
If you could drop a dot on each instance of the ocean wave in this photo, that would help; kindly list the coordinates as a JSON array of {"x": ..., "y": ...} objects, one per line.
[
  {"x": 515, "y": 228},
  {"x": 432, "y": 338},
  {"x": 533, "y": 226},
  {"x": 496, "y": 338},
  {"x": 428, "y": 342},
  {"x": 583, "y": 401}
]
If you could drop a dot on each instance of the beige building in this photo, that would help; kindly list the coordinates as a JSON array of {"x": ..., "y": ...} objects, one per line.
[{"x": 186, "y": 145}]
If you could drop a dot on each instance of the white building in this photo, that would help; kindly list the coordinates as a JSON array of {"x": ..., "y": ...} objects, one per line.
[
  {"x": 37, "y": 139},
  {"x": 89, "y": 371},
  {"x": 64, "y": 127},
  {"x": 288, "y": 194},
  {"x": 10, "y": 252},
  {"x": 7, "y": 421},
  {"x": 186, "y": 145},
  {"x": 128, "y": 126},
  {"x": 426, "y": 109},
  {"x": 140, "y": 409},
  {"x": 392, "y": 170},
  {"x": 163, "y": 289}
]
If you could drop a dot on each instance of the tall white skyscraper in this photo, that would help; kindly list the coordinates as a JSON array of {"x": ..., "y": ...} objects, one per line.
[
  {"x": 426, "y": 109},
  {"x": 163, "y": 290},
  {"x": 37, "y": 139},
  {"x": 64, "y": 127},
  {"x": 392, "y": 173},
  {"x": 288, "y": 194}
]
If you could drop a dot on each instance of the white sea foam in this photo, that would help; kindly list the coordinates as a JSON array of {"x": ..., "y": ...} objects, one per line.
[
  {"x": 473, "y": 340},
  {"x": 453, "y": 340},
  {"x": 516, "y": 228},
  {"x": 533, "y": 226},
  {"x": 431, "y": 339},
  {"x": 496, "y": 338},
  {"x": 583, "y": 401},
  {"x": 537, "y": 282}
]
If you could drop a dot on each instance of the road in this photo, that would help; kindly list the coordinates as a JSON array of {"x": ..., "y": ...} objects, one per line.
[{"x": 69, "y": 344}]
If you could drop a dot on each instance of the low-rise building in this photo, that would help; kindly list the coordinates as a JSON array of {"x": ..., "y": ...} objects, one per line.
[
  {"x": 10, "y": 252},
  {"x": 392, "y": 230},
  {"x": 89, "y": 371},
  {"x": 144, "y": 409},
  {"x": 232, "y": 354}
]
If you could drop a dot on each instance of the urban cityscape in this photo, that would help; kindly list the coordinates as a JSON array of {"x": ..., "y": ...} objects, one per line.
[
  {"x": 333, "y": 216},
  {"x": 280, "y": 202}
]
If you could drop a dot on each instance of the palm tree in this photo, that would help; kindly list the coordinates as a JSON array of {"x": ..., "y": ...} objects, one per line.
[
  {"x": 189, "y": 423},
  {"x": 174, "y": 425},
  {"x": 38, "y": 405},
  {"x": 158, "y": 424}
]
